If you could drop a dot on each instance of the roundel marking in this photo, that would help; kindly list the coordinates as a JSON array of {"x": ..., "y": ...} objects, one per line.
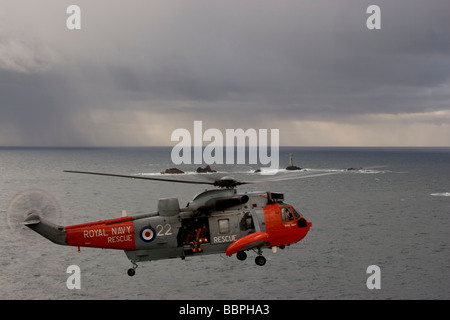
[{"x": 147, "y": 234}]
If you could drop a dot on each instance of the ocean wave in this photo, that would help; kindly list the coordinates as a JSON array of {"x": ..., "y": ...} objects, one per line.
[{"x": 441, "y": 194}]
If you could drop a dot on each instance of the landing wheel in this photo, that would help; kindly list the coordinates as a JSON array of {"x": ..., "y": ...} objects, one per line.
[
  {"x": 241, "y": 255},
  {"x": 260, "y": 260},
  {"x": 132, "y": 271}
]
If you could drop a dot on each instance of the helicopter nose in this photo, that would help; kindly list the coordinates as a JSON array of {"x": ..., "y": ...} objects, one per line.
[{"x": 303, "y": 228}]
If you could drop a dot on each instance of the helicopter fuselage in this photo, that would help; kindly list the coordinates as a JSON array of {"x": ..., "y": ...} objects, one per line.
[{"x": 215, "y": 221}]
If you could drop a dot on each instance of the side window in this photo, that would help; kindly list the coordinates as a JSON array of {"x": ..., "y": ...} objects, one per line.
[
  {"x": 224, "y": 225},
  {"x": 286, "y": 214}
]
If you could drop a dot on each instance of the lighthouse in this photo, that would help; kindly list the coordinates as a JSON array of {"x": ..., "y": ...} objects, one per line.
[{"x": 291, "y": 163}]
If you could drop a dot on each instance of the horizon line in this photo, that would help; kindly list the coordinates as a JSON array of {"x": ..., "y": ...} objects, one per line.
[{"x": 246, "y": 146}]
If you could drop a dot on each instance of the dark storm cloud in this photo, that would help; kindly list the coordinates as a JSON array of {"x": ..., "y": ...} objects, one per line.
[
  {"x": 37, "y": 107},
  {"x": 319, "y": 58},
  {"x": 237, "y": 61}
]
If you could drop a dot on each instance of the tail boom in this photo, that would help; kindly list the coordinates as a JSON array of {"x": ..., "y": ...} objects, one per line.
[
  {"x": 45, "y": 228},
  {"x": 109, "y": 234}
]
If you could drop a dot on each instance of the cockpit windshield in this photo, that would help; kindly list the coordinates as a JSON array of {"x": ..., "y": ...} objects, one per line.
[{"x": 296, "y": 214}]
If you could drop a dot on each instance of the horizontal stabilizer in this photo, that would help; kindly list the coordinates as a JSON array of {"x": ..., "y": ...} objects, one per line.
[{"x": 32, "y": 219}]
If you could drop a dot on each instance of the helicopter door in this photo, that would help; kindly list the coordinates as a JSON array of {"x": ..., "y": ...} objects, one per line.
[{"x": 193, "y": 229}]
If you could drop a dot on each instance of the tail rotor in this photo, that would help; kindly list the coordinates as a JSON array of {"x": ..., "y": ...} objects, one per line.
[{"x": 27, "y": 208}]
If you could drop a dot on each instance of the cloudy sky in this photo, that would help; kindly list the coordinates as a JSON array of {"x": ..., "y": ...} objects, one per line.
[{"x": 137, "y": 70}]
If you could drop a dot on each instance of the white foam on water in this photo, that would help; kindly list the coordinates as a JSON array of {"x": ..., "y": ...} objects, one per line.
[{"x": 441, "y": 194}]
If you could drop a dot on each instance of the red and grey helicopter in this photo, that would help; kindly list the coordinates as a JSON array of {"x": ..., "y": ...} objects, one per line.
[{"x": 219, "y": 220}]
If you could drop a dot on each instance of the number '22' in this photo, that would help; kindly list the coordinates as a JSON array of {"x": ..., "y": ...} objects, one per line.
[{"x": 165, "y": 230}]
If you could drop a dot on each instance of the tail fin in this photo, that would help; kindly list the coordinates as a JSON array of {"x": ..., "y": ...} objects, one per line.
[{"x": 45, "y": 228}]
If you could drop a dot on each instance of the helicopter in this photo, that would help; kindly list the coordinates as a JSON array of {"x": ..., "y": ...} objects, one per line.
[{"x": 220, "y": 220}]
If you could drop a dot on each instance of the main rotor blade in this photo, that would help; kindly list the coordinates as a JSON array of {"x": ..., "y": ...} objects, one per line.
[
  {"x": 140, "y": 177},
  {"x": 291, "y": 177}
]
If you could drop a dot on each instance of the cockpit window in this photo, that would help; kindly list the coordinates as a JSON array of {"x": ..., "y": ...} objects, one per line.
[
  {"x": 296, "y": 214},
  {"x": 287, "y": 214}
]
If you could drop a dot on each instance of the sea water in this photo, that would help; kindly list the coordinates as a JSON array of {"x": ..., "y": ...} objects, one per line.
[{"x": 391, "y": 210}]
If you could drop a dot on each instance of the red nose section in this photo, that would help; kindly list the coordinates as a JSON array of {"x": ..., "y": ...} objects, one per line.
[{"x": 284, "y": 230}]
